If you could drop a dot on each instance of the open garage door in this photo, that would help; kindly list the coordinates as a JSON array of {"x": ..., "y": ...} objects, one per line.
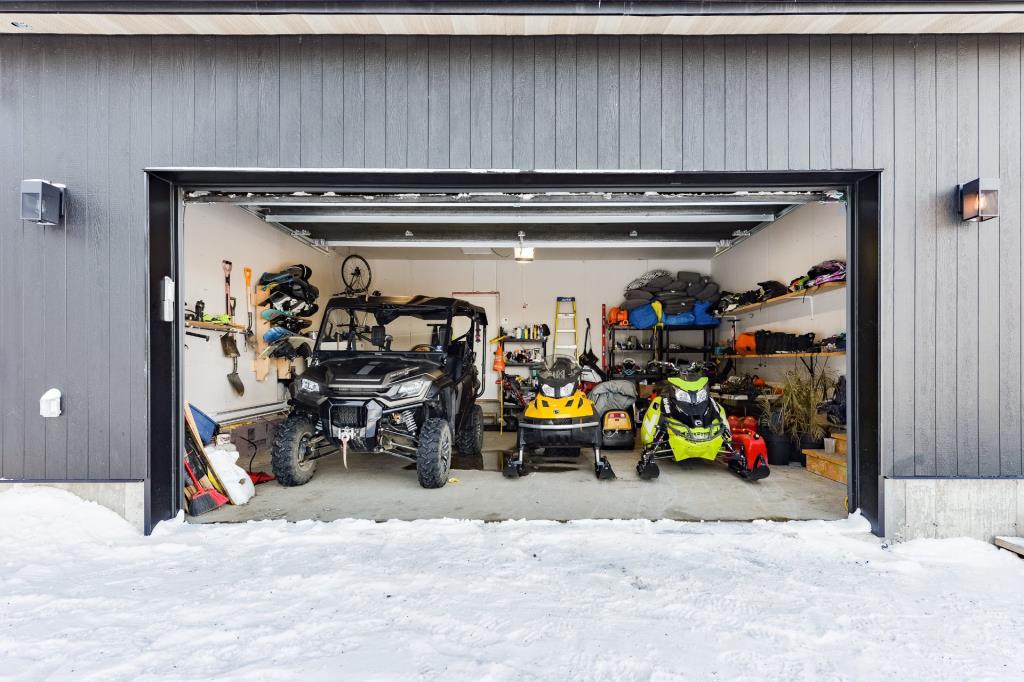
[{"x": 568, "y": 218}]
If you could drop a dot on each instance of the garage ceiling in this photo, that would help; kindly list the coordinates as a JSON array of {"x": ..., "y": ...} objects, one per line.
[{"x": 698, "y": 223}]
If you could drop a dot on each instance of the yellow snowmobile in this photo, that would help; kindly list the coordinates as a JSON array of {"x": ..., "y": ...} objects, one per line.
[{"x": 561, "y": 417}]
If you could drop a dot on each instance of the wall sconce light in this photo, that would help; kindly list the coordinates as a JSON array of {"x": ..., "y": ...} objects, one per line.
[
  {"x": 979, "y": 200},
  {"x": 42, "y": 201}
]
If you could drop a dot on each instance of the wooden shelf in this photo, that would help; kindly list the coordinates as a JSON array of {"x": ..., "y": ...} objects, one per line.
[
  {"x": 215, "y": 327},
  {"x": 788, "y": 355},
  {"x": 753, "y": 307}
]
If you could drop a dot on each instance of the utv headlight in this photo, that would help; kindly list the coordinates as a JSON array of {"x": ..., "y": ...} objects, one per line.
[
  {"x": 308, "y": 386},
  {"x": 408, "y": 389}
]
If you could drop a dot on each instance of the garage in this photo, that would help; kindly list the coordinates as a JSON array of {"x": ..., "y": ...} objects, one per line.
[{"x": 475, "y": 287}]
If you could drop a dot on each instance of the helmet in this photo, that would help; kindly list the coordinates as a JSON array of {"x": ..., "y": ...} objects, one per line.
[{"x": 559, "y": 377}]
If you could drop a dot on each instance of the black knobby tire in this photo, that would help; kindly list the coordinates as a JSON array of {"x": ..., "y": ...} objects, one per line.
[
  {"x": 292, "y": 447},
  {"x": 434, "y": 453},
  {"x": 470, "y": 440}
]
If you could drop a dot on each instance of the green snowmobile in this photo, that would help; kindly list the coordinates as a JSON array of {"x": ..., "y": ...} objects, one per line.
[{"x": 684, "y": 422}]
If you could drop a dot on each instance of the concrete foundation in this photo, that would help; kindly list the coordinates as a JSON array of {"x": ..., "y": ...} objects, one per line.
[
  {"x": 126, "y": 498},
  {"x": 381, "y": 487},
  {"x": 946, "y": 508}
]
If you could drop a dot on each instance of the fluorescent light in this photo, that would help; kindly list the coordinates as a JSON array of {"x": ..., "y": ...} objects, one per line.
[
  {"x": 511, "y": 244},
  {"x": 512, "y": 217},
  {"x": 523, "y": 254}
]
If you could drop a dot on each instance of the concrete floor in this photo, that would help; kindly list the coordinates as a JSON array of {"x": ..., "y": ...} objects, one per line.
[{"x": 380, "y": 487}]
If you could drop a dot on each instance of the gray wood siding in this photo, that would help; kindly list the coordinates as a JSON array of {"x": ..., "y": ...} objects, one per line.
[{"x": 93, "y": 111}]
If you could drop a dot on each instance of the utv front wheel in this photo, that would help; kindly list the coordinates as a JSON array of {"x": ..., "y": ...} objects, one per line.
[
  {"x": 471, "y": 439},
  {"x": 291, "y": 459},
  {"x": 434, "y": 453}
]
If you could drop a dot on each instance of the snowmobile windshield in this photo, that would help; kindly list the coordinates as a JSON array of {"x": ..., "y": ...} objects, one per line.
[
  {"x": 558, "y": 377},
  {"x": 689, "y": 397}
]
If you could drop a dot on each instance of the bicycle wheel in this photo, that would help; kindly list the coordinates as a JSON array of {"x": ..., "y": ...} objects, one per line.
[{"x": 355, "y": 274}]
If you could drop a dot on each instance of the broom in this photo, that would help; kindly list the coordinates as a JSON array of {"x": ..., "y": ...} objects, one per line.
[{"x": 203, "y": 500}]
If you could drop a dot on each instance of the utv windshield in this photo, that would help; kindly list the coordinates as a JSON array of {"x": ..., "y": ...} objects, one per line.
[{"x": 407, "y": 333}]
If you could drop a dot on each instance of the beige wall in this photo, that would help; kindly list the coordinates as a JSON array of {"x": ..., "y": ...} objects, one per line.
[
  {"x": 527, "y": 291},
  {"x": 786, "y": 249},
  {"x": 216, "y": 232}
]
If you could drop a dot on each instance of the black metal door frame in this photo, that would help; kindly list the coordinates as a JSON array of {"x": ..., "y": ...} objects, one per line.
[{"x": 165, "y": 187}]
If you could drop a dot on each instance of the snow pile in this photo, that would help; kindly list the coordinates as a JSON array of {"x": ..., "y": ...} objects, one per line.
[{"x": 82, "y": 597}]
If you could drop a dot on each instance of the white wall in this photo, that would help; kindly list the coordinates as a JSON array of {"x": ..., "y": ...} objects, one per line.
[
  {"x": 783, "y": 251},
  {"x": 215, "y": 232},
  {"x": 527, "y": 291}
]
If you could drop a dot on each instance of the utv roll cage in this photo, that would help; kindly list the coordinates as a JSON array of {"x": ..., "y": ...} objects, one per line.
[{"x": 387, "y": 309}]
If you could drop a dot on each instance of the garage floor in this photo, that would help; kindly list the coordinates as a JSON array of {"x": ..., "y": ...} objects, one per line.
[{"x": 380, "y": 487}]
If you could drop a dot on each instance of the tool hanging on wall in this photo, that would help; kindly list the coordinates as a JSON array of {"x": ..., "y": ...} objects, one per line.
[
  {"x": 229, "y": 305},
  {"x": 250, "y": 336}
]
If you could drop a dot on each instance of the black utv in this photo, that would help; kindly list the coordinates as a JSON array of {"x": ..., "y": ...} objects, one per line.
[{"x": 387, "y": 375}]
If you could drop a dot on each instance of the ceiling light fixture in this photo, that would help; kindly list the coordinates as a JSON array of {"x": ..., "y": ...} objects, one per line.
[
  {"x": 22, "y": 25},
  {"x": 522, "y": 253}
]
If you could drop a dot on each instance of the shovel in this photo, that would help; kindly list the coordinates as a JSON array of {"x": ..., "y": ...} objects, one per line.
[
  {"x": 250, "y": 337},
  {"x": 234, "y": 379},
  {"x": 228, "y": 345}
]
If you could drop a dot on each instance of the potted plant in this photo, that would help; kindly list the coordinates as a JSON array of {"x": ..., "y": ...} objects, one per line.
[
  {"x": 802, "y": 392},
  {"x": 773, "y": 430}
]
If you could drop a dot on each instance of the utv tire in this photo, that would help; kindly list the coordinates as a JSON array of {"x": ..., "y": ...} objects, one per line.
[
  {"x": 292, "y": 447},
  {"x": 434, "y": 454},
  {"x": 471, "y": 440}
]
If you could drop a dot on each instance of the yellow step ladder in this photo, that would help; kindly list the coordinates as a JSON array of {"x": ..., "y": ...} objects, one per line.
[{"x": 565, "y": 327}]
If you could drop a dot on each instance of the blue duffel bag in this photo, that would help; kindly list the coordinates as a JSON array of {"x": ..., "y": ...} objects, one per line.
[
  {"x": 701, "y": 314},
  {"x": 679, "y": 320},
  {"x": 643, "y": 317}
]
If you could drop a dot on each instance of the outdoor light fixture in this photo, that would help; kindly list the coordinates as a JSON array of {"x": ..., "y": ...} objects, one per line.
[
  {"x": 979, "y": 200},
  {"x": 523, "y": 254},
  {"x": 42, "y": 201}
]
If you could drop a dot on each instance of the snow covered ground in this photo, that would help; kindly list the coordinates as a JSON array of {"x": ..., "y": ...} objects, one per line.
[{"x": 82, "y": 597}]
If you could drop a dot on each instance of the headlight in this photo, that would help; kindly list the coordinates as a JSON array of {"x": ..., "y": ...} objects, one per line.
[
  {"x": 408, "y": 389},
  {"x": 547, "y": 390},
  {"x": 683, "y": 396},
  {"x": 566, "y": 390},
  {"x": 308, "y": 386},
  {"x": 702, "y": 395}
]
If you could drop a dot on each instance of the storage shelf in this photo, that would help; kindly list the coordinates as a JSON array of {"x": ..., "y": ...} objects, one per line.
[
  {"x": 506, "y": 340},
  {"x": 214, "y": 326},
  {"x": 691, "y": 327},
  {"x": 638, "y": 376},
  {"x": 787, "y": 355},
  {"x": 523, "y": 364},
  {"x": 634, "y": 350},
  {"x": 752, "y": 307}
]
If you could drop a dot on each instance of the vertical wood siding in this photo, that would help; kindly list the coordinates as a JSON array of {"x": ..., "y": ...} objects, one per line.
[{"x": 931, "y": 111}]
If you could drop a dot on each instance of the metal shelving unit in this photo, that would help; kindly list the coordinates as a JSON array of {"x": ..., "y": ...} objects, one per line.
[{"x": 660, "y": 340}]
